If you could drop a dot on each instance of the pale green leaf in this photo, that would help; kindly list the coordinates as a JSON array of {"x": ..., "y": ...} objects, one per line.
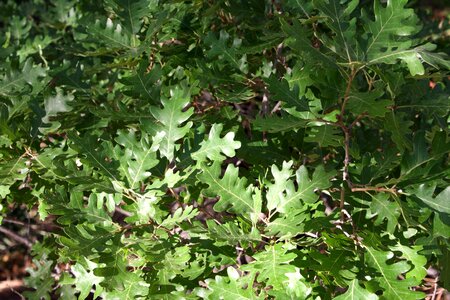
[
  {"x": 272, "y": 266},
  {"x": 418, "y": 261},
  {"x": 230, "y": 288},
  {"x": 4, "y": 191},
  {"x": 85, "y": 279},
  {"x": 276, "y": 191},
  {"x": 137, "y": 157},
  {"x": 356, "y": 292},
  {"x": 389, "y": 35},
  {"x": 382, "y": 207},
  {"x": 235, "y": 194},
  {"x": 424, "y": 192},
  {"x": 180, "y": 215},
  {"x": 216, "y": 148},
  {"x": 170, "y": 121},
  {"x": 391, "y": 286},
  {"x": 294, "y": 197}
]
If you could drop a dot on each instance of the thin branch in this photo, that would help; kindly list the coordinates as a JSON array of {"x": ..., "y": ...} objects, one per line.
[
  {"x": 42, "y": 226},
  {"x": 347, "y": 135},
  {"x": 433, "y": 297},
  {"x": 15, "y": 237},
  {"x": 377, "y": 189},
  {"x": 341, "y": 203},
  {"x": 347, "y": 92},
  {"x": 358, "y": 118},
  {"x": 276, "y": 108}
]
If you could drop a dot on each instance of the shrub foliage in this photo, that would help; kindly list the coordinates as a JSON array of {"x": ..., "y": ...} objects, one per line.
[{"x": 226, "y": 149}]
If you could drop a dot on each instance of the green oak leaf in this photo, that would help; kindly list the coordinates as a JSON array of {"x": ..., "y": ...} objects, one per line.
[
  {"x": 214, "y": 146},
  {"x": 4, "y": 191},
  {"x": 355, "y": 291},
  {"x": 88, "y": 147},
  {"x": 110, "y": 34},
  {"x": 369, "y": 103},
  {"x": 131, "y": 13},
  {"x": 143, "y": 85},
  {"x": 40, "y": 279},
  {"x": 15, "y": 81},
  {"x": 170, "y": 121},
  {"x": 232, "y": 234},
  {"x": 339, "y": 21},
  {"x": 325, "y": 136},
  {"x": 229, "y": 288},
  {"x": 424, "y": 192},
  {"x": 398, "y": 126},
  {"x": 272, "y": 266},
  {"x": 389, "y": 35},
  {"x": 84, "y": 279},
  {"x": 276, "y": 191},
  {"x": 275, "y": 124},
  {"x": 235, "y": 195},
  {"x": 387, "y": 277},
  {"x": 219, "y": 48},
  {"x": 137, "y": 157},
  {"x": 298, "y": 38},
  {"x": 301, "y": 193},
  {"x": 383, "y": 208},
  {"x": 280, "y": 91},
  {"x": 412, "y": 255}
]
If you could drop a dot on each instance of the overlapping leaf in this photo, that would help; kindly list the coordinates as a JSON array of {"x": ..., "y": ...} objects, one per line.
[
  {"x": 392, "y": 287},
  {"x": 369, "y": 103},
  {"x": 95, "y": 156},
  {"x": 137, "y": 158},
  {"x": 131, "y": 14},
  {"x": 344, "y": 27},
  {"x": 425, "y": 192},
  {"x": 235, "y": 194},
  {"x": 231, "y": 287},
  {"x": 285, "y": 194},
  {"x": 280, "y": 91},
  {"x": 355, "y": 291},
  {"x": 272, "y": 266},
  {"x": 383, "y": 207},
  {"x": 214, "y": 147},
  {"x": 28, "y": 78},
  {"x": 325, "y": 135},
  {"x": 220, "y": 48},
  {"x": 170, "y": 121},
  {"x": 389, "y": 35},
  {"x": 147, "y": 205},
  {"x": 109, "y": 34}
]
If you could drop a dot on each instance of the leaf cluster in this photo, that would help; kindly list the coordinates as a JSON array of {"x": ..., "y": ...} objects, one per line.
[{"x": 226, "y": 149}]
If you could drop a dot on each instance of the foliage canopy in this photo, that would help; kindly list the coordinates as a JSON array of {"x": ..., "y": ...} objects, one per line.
[{"x": 226, "y": 149}]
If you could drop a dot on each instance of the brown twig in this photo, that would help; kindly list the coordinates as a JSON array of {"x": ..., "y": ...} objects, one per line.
[
  {"x": 358, "y": 118},
  {"x": 347, "y": 136},
  {"x": 15, "y": 237},
  {"x": 347, "y": 92},
  {"x": 376, "y": 189},
  {"x": 48, "y": 227},
  {"x": 433, "y": 297}
]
